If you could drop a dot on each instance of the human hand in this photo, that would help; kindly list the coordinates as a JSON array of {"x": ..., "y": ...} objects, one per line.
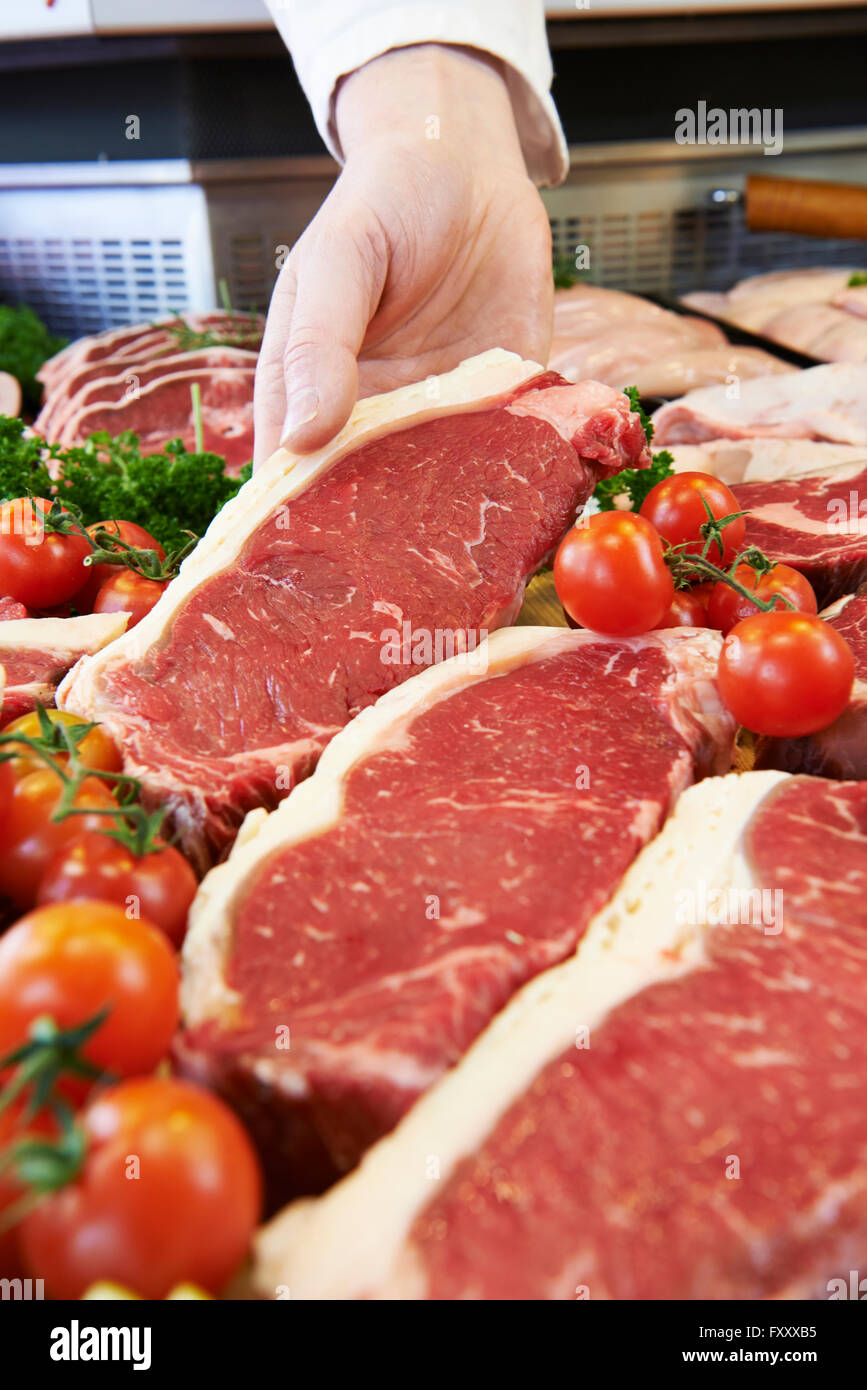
[{"x": 427, "y": 250}]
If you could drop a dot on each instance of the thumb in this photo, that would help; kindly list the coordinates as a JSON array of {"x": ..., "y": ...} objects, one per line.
[{"x": 339, "y": 282}]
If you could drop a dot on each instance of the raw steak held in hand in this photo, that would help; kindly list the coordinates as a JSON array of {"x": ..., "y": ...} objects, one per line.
[
  {"x": 454, "y": 841},
  {"x": 332, "y": 577}
]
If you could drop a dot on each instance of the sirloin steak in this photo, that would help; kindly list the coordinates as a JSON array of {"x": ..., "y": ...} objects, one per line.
[
  {"x": 816, "y": 522},
  {"x": 331, "y": 578},
  {"x": 677, "y": 1112},
  {"x": 841, "y": 749},
  {"x": 453, "y": 842},
  {"x": 36, "y": 653}
]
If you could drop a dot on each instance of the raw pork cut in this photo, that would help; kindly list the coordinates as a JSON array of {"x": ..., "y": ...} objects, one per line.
[
  {"x": 677, "y": 1112},
  {"x": 816, "y": 522},
  {"x": 822, "y": 403},
  {"x": 163, "y": 410},
  {"x": 841, "y": 749},
  {"x": 454, "y": 841},
  {"x": 332, "y": 577},
  {"x": 36, "y": 653},
  {"x": 750, "y": 460}
]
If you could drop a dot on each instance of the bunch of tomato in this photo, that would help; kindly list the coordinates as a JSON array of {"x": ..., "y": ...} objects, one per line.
[
  {"x": 783, "y": 671},
  {"x": 108, "y": 1171},
  {"x": 44, "y": 569},
  {"x": 86, "y": 853}
]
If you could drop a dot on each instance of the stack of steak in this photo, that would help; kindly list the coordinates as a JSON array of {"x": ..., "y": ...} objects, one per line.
[{"x": 139, "y": 379}]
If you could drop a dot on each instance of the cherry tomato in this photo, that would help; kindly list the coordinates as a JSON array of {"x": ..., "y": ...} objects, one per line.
[
  {"x": 127, "y": 592},
  {"x": 97, "y": 575},
  {"x": 685, "y": 610},
  {"x": 703, "y": 592},
  {"x": 675, "y": 508},
  {"x": 159, "y": 886},
  {"x": 785, "y": 674},
  {"x": 14, "y": 1125},
  {"x": 727, "y": 607},
  {"x": 610, "y": 574},
  {"x": 37, "y": 567},
  {"x": 32, "y": 838},
  {"x": 95, "y": 750},
  {"x": 71, "y": 960},
  {"x": 188, "y": 1215}
]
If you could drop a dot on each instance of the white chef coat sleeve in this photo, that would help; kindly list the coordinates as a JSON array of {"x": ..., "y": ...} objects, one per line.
[{"x": 330, "y": 38}]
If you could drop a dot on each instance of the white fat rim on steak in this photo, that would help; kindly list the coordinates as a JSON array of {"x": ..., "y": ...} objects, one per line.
[
  {"x": 836, "y": 608},
  {"x": 477, "y": 382},
  {"x": 767, "y": 459},
  {"x": 353, "y": 1241},
  {"x": 317, "y": 804},
  {"x": 63, "y": 636}
]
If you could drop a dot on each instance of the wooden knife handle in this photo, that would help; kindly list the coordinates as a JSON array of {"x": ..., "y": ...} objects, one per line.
[{"x": 806, "y": 206}]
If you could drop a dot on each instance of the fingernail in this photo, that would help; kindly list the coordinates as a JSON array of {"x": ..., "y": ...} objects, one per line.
[{"x": 301, "y": 408}]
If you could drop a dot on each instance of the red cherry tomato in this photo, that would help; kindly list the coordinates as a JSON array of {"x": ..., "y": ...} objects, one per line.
[
  {"x": 32, "y": 838},
  {"x": 15, "y": 1124},
  {"x": 685, "y": 610},
  {"x": 188, "y": 1214},
  {"x": 785, "y": 674},
  {"x": 97, "y": 575},
  {"x": 676, "y": 509},
  {"x": 610, "y": 574},
  {"x": 37, "y": 567},
  {"x": 158, "y": 886},
  {"x": 127, "y": 592},
  {"x": 727, "y": 607},
  {"x": 702, "y": 592},
  {"x": 72, "y": 960}
]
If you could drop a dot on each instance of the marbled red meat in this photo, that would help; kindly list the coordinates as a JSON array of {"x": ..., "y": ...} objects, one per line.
[
  {"x": 816, "y": 522},
  {"x": 712, "y": 1140},
  {"x": 438, "y": 526},
  {"x": 472, "y": 847}
]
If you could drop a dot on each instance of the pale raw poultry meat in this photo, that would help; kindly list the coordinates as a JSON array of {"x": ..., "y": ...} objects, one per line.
[
  {"x": 823, "y": 403},
  {"x": 623, "y": 340},
  {"x": 815, "y": 311}
]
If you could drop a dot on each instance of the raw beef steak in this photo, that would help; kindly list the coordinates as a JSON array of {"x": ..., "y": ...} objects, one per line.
[
  {"x": 114, "y": 378},
  {"x": 827, "y": 403},
  {"x": 163, "y": 410},
  {"x": 816, "y": 522},
  {"x": 454, "y": 841},
  {"x": 677, "y": 1112},
  {"x": 145, "y": 340},
  {"x": 841, "y": 749},
  {"x": 36, "y": 654},
  {"x": 332, "y": 577}
]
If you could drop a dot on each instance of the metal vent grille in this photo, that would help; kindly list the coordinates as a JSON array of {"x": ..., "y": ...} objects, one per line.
[
  {"x": 688, "y": 249},
  {"x": 130, "y": 242},
  {"x": 87, "y": 259},
  {"x": 81, "y": 285}
]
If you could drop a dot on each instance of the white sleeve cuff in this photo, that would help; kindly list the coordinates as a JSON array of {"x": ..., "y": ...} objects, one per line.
[{"x": 329, "y": 39}]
